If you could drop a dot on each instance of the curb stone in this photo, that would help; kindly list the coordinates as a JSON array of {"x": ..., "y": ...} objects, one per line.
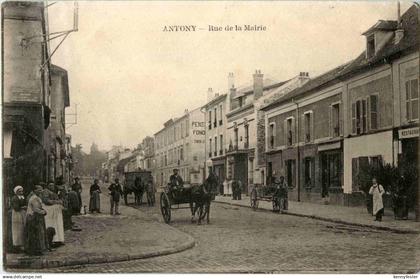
[
  {"x": 38, "y": 263},
  {"x": 333, "y": 220}
]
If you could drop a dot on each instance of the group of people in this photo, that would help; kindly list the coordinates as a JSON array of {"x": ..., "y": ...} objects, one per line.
[
  {"x": 233, "y": 187},
  {"x": 37, "y": 221}
]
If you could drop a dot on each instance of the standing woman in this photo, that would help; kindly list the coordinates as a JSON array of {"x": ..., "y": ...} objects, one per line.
[
  {"x": 378, "y": 207},
  {"x": 36, "y": 243},
  {"x": 95, "y": 199},
  {"x": 18, "y": 212}
]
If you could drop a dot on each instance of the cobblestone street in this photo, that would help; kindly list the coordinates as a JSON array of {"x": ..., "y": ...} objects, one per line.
[{"x": 241, "y": 240}]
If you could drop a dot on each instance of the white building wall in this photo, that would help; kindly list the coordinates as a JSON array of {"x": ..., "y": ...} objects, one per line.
[{"x": 367, "y": 145}]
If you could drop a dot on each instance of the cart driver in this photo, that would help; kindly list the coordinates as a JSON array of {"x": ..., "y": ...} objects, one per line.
[{"x": 175, "y": 181}]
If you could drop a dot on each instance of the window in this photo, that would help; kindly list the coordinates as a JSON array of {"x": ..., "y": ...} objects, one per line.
[
  {"x": 215, "y": 117},
  {"x": 370, "y": 45},
  {"x": 412, "y": 99},
  {"x": 246, "y": 136},
  {"x": 182, "y": 154},
  {"x": 210, "y": 146},
  {"x": 221, "y": 145},
  {"x": 187, "y": 128},
  {"x": 271, "y": 135},
  {"x": 209, "y": 119},
  {"x": 241, "y": 101},
  {"x": 221, "y": 114},
  {"x": 215, "y": 146},
  {"x": 373, "y": 112},
  {"x": 359, "y": 117},
  {"x": 289, "y": 128},
  {"x": 308, "y": 124},
  {"x": 335, "y": 120}
]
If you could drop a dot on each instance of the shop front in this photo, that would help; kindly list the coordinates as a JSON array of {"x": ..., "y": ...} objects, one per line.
[{"x": 219, "y": 171}]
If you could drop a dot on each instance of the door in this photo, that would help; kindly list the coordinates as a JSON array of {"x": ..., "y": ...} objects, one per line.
[
  {"x": 331, "y": 172},
  {"x": 241, "y": 171}
]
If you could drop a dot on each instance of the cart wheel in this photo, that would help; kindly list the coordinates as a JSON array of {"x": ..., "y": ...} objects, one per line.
[
  {"x": 165, "y": 207},
  {"x": 254, "y": 199}
]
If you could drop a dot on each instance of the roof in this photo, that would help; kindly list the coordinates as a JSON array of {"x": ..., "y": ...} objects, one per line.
[
  {"x": 409, "y": 43},
  {"x": 385, "y": 25},
  {"x": 309, "y": 86},
  {"x": 215, "y": 100},
  {"x": 249, "y": 89}
]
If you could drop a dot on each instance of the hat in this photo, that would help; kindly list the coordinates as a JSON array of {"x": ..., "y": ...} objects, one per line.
[
  {"x": 42, "y": 184},
  {"x": 17, "y": 188},
  {"x": 175, "y": 169},
  {"x": 38, "y": 187}
]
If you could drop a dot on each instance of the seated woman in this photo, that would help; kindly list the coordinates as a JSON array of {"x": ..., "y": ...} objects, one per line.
[{"x": 53, "y": 205}]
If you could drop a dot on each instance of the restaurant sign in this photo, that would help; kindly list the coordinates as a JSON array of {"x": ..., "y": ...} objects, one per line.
[{"x": 408, "y": 133}]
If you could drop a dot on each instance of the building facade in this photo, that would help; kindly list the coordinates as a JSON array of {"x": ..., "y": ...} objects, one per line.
[
  {"x": 244, "y": 120},
  {"x": 215, "y": 136},
  {"x": 181, "y": 144},
  {"x": 26, "y": 94},
  {"x": 319, "y": 136}
]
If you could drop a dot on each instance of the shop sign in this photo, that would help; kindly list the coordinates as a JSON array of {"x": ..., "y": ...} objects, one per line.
[
  {"x": 408, "y": 133},
  {"x": 329, "y": 146}
]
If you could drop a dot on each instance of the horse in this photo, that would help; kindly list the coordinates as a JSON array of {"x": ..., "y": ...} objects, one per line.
[
  {"x": 137, "y": 189},
  {"x": 201, "y": 197}
]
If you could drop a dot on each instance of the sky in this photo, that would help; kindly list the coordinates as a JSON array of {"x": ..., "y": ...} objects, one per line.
[{"x": 127, "y": 76}]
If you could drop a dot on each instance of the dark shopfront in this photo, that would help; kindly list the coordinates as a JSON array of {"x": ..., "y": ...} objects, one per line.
[
  {"x": 409, "y": 145},
  {"x": 331, "y": 170},
  {"x": 219, "y": 171},
  {"x": 237, "y": 168}
]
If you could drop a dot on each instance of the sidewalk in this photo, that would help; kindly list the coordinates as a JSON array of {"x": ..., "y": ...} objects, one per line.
[
  {"x": 105, "y": 238},
  {"x": 356, "y": 216}
]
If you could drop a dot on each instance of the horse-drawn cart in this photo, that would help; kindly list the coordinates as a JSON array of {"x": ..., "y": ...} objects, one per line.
[
  {"x": 175, "y": 198},
  {"x": 264, "y": 193},
  {"x": 137, "y": 188}
]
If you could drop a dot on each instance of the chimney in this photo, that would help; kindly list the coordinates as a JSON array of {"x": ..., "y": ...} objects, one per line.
[
  {"x": 232, "y": 92},
  {"x": 399, "y": 33},
  {"x": 231, "y": 81},
  {"x": 210, "y": 94},
  {"x": 258, "y": 84}
]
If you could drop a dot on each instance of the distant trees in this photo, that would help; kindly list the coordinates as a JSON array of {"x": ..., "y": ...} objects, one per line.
[{"x": 87, "y": 164}]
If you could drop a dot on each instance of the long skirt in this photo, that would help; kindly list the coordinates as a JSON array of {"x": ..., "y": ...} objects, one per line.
[
  {"x": 54, "y": 219},
  {"x": 95, "y": 202},
  {"x": 35, "y": 234},
  {"x": 18, "y": 227}
]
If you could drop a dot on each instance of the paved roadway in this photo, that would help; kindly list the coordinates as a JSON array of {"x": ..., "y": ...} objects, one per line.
[{"x": 241, "y": 240}]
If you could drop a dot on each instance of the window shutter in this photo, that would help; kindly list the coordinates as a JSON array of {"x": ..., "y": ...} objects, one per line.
[
  {"x": 312, "y": 127},
  {"x": 285, "y": 131},
  {"x": 330, "y": 120},
  {"x": 364, "y": 122},
  {"x": 353, "y": 118},
  {"x": 293, "y": 131}
]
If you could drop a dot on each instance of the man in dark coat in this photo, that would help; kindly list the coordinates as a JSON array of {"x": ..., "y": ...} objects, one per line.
[
  {"x": 115, "y": 192},
  {"x": 77, "y": 187},
  {"x": 176, "y": 180}
]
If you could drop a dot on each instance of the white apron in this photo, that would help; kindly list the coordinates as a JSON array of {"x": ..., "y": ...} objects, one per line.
[
  {"x": 377, "y": 193},
  {"x": 54, "y": 219},
  {"x": 18, "y": 225}
]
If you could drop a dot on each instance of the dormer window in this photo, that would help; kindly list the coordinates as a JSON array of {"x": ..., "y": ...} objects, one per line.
[{"x": 370, "y": 46}]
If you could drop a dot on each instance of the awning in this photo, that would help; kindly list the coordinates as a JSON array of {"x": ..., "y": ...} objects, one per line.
[{"x": 7, "y": 143}]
